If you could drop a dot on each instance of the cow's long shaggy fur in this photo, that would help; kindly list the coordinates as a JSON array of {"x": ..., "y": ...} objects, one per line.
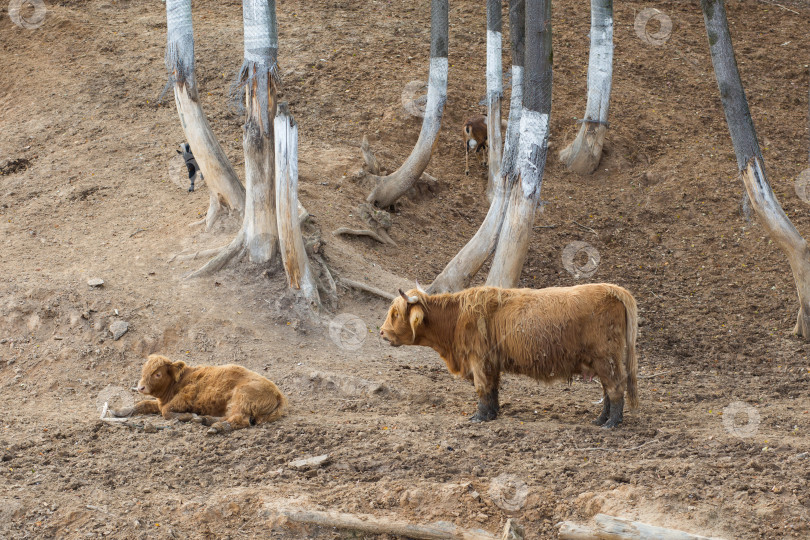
[
  {"x": 225, "y": 397},
  {"x": 547, "y": 334}
]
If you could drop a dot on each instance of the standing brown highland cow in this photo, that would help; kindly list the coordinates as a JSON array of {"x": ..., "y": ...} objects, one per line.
[{"x": 547, "y": 334}]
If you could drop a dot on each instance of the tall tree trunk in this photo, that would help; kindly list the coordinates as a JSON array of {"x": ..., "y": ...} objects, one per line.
[
  {"x": 259, "y": 77},
  {"x": 749, "y": 158},
  {"x": 466, "y": 264},
  {"x": 583, "y": 154},
  {"x": 223, "y": 184},
  {"x": 392, "y": 187},
  {"x": 293, "y": 252},
  {"x": 260, "y": 72},
  {"x": 517, "y": 31},
  {"x": 513, "y": 243},
  {"x": 494, "y": 93}
]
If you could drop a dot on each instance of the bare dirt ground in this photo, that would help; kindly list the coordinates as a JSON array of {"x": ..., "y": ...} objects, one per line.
[{"x": 84, "y": 192}]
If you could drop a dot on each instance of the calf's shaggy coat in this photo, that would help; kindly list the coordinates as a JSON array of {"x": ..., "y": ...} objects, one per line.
[
  {"x": 547, "y": 334},
  {"x": 224, "y": 397}
]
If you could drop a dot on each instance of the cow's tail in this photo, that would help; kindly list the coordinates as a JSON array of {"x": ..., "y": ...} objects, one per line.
[{"x": 631, "y": 333}]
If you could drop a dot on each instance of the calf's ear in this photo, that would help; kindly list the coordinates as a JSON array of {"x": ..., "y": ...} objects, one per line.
[
  {"x": 416, "y": 318},
  {"x": 176, "y": 368}
]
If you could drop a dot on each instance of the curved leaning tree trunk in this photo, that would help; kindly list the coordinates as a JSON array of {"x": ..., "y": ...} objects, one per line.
[
  {"x": 494, "y": 93},
  {"x": 392, "y": 187},
  {"x": 583, "y": 154},
  {"x": 469, "y": 260},
  {"x": 749, "y": 158},
  {"x": 258, "y": 236},
  {"x": 223, "y": 184},
  {"x": 513, "y": 243}
]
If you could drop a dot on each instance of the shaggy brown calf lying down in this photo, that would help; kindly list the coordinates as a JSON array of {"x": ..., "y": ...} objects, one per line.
[
  {"x": 548, "y": 334},
  {"x": 223, "y": 397}
]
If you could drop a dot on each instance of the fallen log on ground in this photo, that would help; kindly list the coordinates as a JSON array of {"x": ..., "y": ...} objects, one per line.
[
  {"x": 614, "y": 528},
  {"x": 380, "y": 525}
]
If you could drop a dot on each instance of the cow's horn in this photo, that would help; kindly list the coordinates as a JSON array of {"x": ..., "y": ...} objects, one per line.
[
  {"x": 409, "y": 299},
  {"x": 419, "y": 288}
]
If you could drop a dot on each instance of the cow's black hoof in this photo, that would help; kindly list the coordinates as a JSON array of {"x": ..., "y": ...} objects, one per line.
[
  {"x": 612, "y": 423},
  {"x": 480, "y": 417},
  {"x": 600, "y": 420}
]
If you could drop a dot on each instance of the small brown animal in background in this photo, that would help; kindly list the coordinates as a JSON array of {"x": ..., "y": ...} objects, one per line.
[
  {"x": 223, "y": 397},
  {"x": 475, "y": 139},
  {"x": 547, "y": 334}
]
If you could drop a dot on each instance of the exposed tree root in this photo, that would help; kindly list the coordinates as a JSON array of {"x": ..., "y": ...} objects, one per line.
[
  {"x": 235, "y": 249},
  {"x": 364, "y": 232},
  {"x": 378, "y": 221},
  {"x": 372, "y": 164},
  {"x": 367, "y": 288},
  {"x": 196, "y": 254},
  {"x": 330, "y": 287}
]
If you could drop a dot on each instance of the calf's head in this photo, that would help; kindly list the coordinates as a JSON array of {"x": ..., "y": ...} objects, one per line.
[
  {"x": 158, "y": 373},
  {"x": 404, "y": 320}
]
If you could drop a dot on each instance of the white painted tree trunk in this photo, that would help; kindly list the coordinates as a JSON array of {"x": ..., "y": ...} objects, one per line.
[
  {"x": 513, "y": 243},
  {"x": 392, "y": 187},
  {"x": 465, "y": 265},
  {"x": 468, "y": 261},
  {"x": 258, "y": 236},
  {"x": 293, "y": 252},
  {"x": 494, "y": 93},
  {"x": 220, "y": 177},
  {"x": 750, "y": 161},
  {"x": 260, "y": 72},
  {"x": 583, "y": 154}
]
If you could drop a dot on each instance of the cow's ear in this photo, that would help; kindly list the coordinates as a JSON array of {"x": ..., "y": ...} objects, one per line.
[
  {"x": 417, "y": 317},
  {"x": 177, "y": 368}
]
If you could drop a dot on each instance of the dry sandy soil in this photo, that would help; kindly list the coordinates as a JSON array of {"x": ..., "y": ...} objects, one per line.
[{"x": 85, "y": 192}]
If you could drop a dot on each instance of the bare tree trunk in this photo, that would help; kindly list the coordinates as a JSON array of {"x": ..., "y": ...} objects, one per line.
[
  {"x": 392, "y": 187},
  {"x": 261, "y": 232},
  {"x": 494, "y": 93},
  {"x": 513, "y": 243},
  {"x": 224, "y": 185},
  {"x": 517, "y": 31},
  {"x": 583, "y": 154},
  {"x": 293, "y": 252},
  {"x": 259, "y": 76},
  {"x": 260, "y": 70},
  {"x": 466, "y": 264},
  {"x": 749, "y": 158}
]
